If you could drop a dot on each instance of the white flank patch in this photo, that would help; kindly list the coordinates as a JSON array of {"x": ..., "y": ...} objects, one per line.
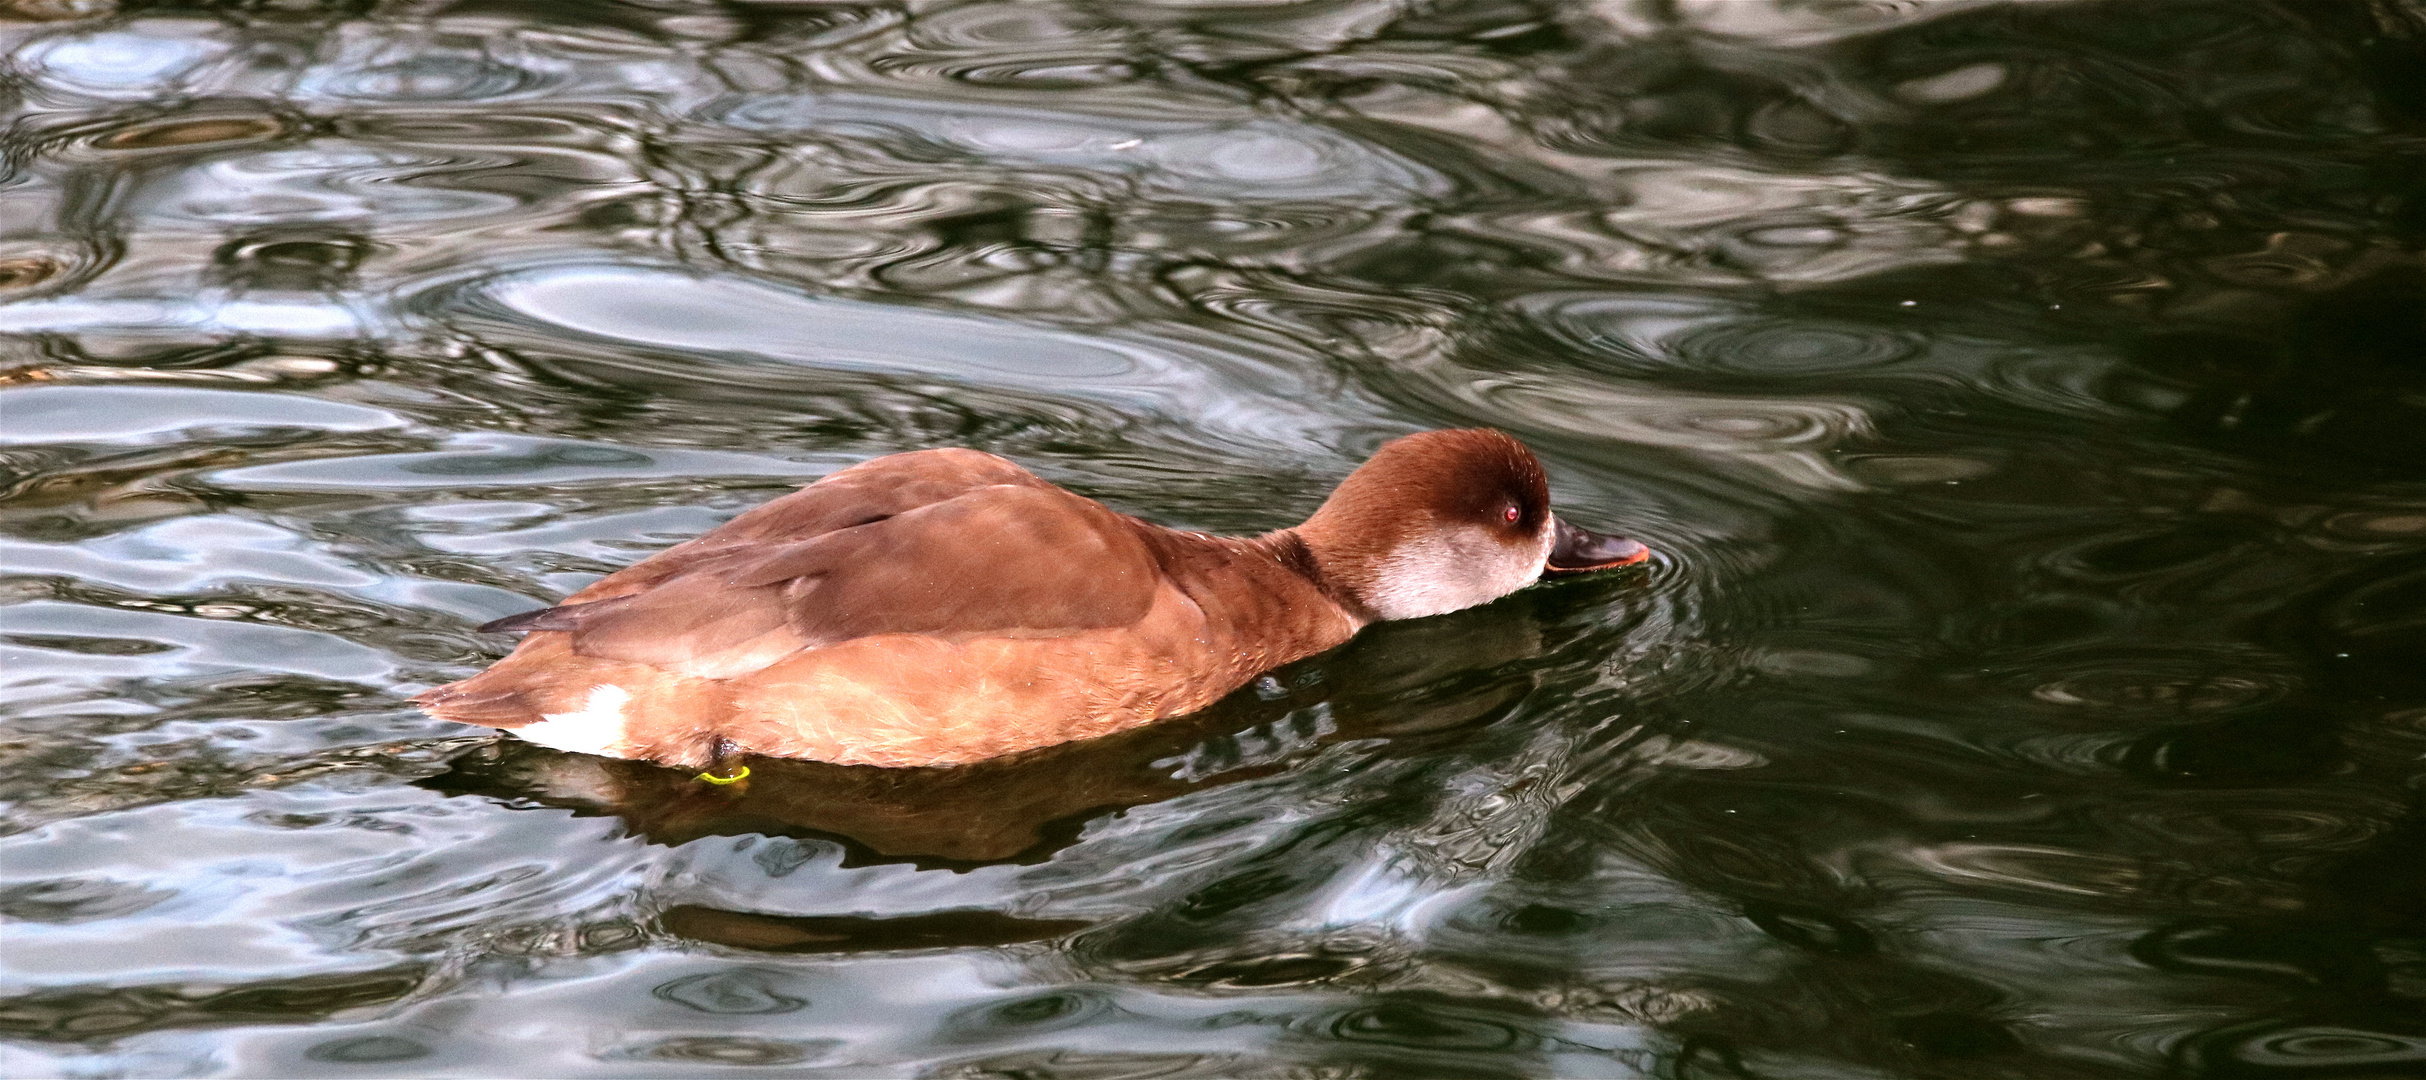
[{"x": 592, "y": 730}]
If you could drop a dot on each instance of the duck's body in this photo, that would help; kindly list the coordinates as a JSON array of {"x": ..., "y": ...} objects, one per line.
[{"x": 946, "y": 606}]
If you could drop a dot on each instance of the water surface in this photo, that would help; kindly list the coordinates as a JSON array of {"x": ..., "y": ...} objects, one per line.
[{"x": 2025, "y": 399}]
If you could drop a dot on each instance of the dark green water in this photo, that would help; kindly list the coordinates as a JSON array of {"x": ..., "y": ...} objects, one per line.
[{"x": 2027, "y": 400}]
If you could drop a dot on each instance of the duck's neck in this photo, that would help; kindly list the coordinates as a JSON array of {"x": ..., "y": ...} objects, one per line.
[{"x": 1290, "y": 549}]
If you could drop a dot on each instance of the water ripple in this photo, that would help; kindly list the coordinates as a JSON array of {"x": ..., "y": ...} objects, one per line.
[
  {"x": 1254, "y": 159},
  {"x": 1787, "y": 439},
  {"x": 134, "y": 62}
]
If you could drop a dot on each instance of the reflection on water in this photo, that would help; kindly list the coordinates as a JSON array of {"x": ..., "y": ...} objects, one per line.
[{"x": 2024, "y": 398}]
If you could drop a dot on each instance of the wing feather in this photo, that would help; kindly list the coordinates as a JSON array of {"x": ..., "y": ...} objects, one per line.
[{"x": 946, "y": 555}]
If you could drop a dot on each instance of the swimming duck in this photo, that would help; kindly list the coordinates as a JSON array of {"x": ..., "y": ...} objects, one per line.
[{"x": 942, "y": 607}]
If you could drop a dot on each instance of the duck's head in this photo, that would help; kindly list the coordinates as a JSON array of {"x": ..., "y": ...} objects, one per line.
[{"x": 1446, "y": 520}]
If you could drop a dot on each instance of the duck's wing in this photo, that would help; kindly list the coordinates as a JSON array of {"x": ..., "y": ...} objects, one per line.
[
  {"x": 868, "y": 492},
  {"x": 1003, "y": 559}
]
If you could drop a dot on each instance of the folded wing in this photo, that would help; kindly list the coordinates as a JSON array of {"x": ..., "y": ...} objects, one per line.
[{"x": 987, "y": 550}]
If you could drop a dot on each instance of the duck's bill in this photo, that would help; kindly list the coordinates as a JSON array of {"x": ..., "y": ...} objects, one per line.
[{"x": 1580, "y": 551}]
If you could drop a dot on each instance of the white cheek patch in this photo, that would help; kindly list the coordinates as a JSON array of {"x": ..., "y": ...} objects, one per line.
[
  {"x": 594, "y": 729},
  {"x": 1436, "y": 574}
]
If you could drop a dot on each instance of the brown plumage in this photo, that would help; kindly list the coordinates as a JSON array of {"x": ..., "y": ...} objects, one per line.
[{"x": 946, "y": 606}]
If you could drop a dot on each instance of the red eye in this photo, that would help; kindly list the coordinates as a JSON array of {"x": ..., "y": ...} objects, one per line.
[{"x": 1508, "y": 515}]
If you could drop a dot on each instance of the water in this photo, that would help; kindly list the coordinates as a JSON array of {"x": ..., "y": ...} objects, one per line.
[{"x": 2024, "y": 398}]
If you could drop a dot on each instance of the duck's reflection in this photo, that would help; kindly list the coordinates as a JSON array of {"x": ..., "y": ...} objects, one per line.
[
  {"x": 1016, "y": 809},
  {"x": 762, "y": 932},
  {"x": 1418, "y": 681}
]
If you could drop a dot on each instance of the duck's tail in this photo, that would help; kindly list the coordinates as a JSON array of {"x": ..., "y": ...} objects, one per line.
[{"x": 465, "y": 703}]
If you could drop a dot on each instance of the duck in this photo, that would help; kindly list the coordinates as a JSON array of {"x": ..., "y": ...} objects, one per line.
[
  {"x": 1018, "y": 808},
  {"x": 946, "y": 606}
]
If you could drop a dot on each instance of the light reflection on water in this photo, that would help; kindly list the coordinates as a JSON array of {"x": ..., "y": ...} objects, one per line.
[{"x": 2022, "y": 398}]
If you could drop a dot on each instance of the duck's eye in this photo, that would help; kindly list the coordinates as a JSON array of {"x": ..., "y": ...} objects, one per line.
[{"x": 1509, "y": 515}]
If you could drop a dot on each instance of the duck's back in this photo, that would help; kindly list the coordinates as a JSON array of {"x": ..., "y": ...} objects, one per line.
[{"x": 926, "y": 608}]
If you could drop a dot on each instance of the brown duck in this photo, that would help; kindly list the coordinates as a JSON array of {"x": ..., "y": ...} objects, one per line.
[{"x": 947, "y": 606}]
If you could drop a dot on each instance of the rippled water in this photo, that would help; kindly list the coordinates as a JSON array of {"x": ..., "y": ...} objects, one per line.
[{"x": 2027, "y": 401}]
